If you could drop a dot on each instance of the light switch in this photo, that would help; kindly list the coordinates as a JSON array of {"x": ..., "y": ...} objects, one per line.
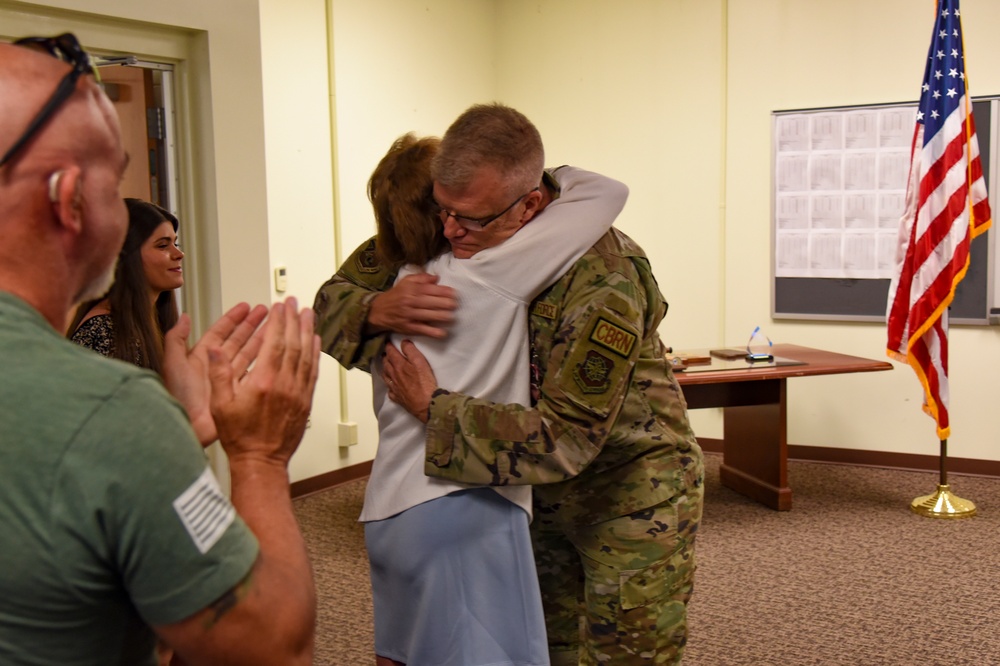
[{"x": 280, "y": 279}]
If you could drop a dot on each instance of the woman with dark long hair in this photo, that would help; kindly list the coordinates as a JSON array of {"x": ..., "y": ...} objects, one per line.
[{"x": 129, "y": 322}]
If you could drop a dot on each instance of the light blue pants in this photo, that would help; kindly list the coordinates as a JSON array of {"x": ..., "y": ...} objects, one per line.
[{"x": 454, "y": 584}]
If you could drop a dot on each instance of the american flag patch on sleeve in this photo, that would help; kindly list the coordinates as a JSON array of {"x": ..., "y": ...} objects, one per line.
[{"x": 205, "y": 511}]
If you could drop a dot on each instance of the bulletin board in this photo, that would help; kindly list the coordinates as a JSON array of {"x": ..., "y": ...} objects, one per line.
[{"x": 839, "y": 186}]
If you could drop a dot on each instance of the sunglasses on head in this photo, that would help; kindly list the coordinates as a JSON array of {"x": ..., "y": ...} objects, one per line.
[{"x": 66, "y": 48}]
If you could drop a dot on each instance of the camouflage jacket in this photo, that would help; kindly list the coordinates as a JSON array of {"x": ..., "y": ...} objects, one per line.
[
  {"x": 342, "y": 305},
  {"x": 607, "y": 433}
]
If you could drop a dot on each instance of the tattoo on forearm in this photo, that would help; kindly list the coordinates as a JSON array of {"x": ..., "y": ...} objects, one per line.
[{"x": 227, "y": 601}]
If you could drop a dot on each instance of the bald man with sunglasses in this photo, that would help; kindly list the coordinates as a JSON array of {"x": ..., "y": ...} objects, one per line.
[{"x": 112, "y": 528}]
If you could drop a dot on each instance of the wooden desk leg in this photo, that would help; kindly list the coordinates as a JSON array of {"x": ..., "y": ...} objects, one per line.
[{"x": 755, "y": 458}]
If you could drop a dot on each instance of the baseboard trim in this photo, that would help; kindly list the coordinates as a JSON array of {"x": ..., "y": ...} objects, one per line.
[
  {"x": 798, "y": 453},
  {"x": 315, "y": 484},
  {"x": 884, "y": 459}
]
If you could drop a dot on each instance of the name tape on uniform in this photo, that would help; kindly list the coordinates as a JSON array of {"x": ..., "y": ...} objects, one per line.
[{"x": 546, "y": 310}]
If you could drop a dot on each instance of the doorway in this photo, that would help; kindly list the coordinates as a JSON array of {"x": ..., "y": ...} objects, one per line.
[{"x": 143, "y": 96}]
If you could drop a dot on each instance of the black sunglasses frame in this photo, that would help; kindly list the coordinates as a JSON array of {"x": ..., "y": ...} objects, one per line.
[{"x": 65, "y": 47}]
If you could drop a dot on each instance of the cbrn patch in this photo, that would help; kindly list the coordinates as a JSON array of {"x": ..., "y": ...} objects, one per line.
[{"x": 612, "y": 337}]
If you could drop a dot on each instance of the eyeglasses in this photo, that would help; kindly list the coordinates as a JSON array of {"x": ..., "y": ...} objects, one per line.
[
  {"x": 65, "y": 47},
  {"x": 476, "y": 223}
]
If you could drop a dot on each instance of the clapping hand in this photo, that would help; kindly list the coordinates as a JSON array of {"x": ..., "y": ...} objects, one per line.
[
  {"x": 261, "y": 417},
  {"x": 185, "y": 371}
]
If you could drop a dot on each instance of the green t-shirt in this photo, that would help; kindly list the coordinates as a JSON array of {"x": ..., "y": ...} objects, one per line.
[{"x": 110, "y": 520}]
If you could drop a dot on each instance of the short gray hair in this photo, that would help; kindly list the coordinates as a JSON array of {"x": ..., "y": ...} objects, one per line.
[{"x": 493, "y": 135}]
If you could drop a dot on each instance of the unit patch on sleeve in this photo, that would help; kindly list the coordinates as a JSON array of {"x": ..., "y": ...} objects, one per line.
[
  {"x": 612, "y": 337},
  {"x": 594, "y": 373},
  {"x": 367, "y": 263}
]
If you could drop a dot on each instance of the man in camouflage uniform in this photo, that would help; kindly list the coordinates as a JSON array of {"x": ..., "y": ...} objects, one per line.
[{"x": 606, "y": 443}]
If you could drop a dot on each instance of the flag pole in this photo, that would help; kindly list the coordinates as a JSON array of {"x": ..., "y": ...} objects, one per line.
[
  {"x": 943, "y": 503},
  {"x": 935, "y": 235}
]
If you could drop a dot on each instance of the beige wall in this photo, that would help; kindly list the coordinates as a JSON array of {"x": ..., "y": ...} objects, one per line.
[
  {"x": 672, "y": 96},
  {"x": 300, "y": 201},
  {"x": 788, "y": 55},
  {"x": 610, "y": 93},
  {"x": 216, "y": 55},
  {"x": 397, "y": 67},
  {"x": 400, "y": 67}
]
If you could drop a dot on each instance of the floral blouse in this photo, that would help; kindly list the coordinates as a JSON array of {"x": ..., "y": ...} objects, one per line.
[{"x": 97, "y": 333}]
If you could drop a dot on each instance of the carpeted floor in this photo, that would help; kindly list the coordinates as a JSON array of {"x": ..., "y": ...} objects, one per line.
[
  {"x": 336, "y": 543},
  {"x": 848, "y": 577}
]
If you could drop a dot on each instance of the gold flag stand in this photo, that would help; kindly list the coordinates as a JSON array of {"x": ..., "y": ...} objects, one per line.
[{"x": 943, "y": 503}]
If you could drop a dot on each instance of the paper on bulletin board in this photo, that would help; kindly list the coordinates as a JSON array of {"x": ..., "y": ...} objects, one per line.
[{"x": 839, "y": 190}]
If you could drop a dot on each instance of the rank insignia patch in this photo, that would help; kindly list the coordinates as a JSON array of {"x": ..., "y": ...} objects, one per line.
[
  {"x": 593, "y": 375},
  {"x": 367, "y": 263},
  {"x": 614, "y": 338}
]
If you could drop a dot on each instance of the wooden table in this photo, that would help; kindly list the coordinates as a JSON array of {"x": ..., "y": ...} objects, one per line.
[{"x": 755, "y": 413}]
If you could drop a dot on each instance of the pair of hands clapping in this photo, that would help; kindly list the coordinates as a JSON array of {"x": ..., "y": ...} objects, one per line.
[{"x": 260, "y": 413}]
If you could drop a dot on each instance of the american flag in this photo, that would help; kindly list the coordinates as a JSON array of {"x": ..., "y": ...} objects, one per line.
[{"x": 946, "y": 207}]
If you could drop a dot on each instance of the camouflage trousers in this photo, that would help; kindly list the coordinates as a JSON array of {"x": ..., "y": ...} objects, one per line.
[{"x": 616, "y": 593}]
